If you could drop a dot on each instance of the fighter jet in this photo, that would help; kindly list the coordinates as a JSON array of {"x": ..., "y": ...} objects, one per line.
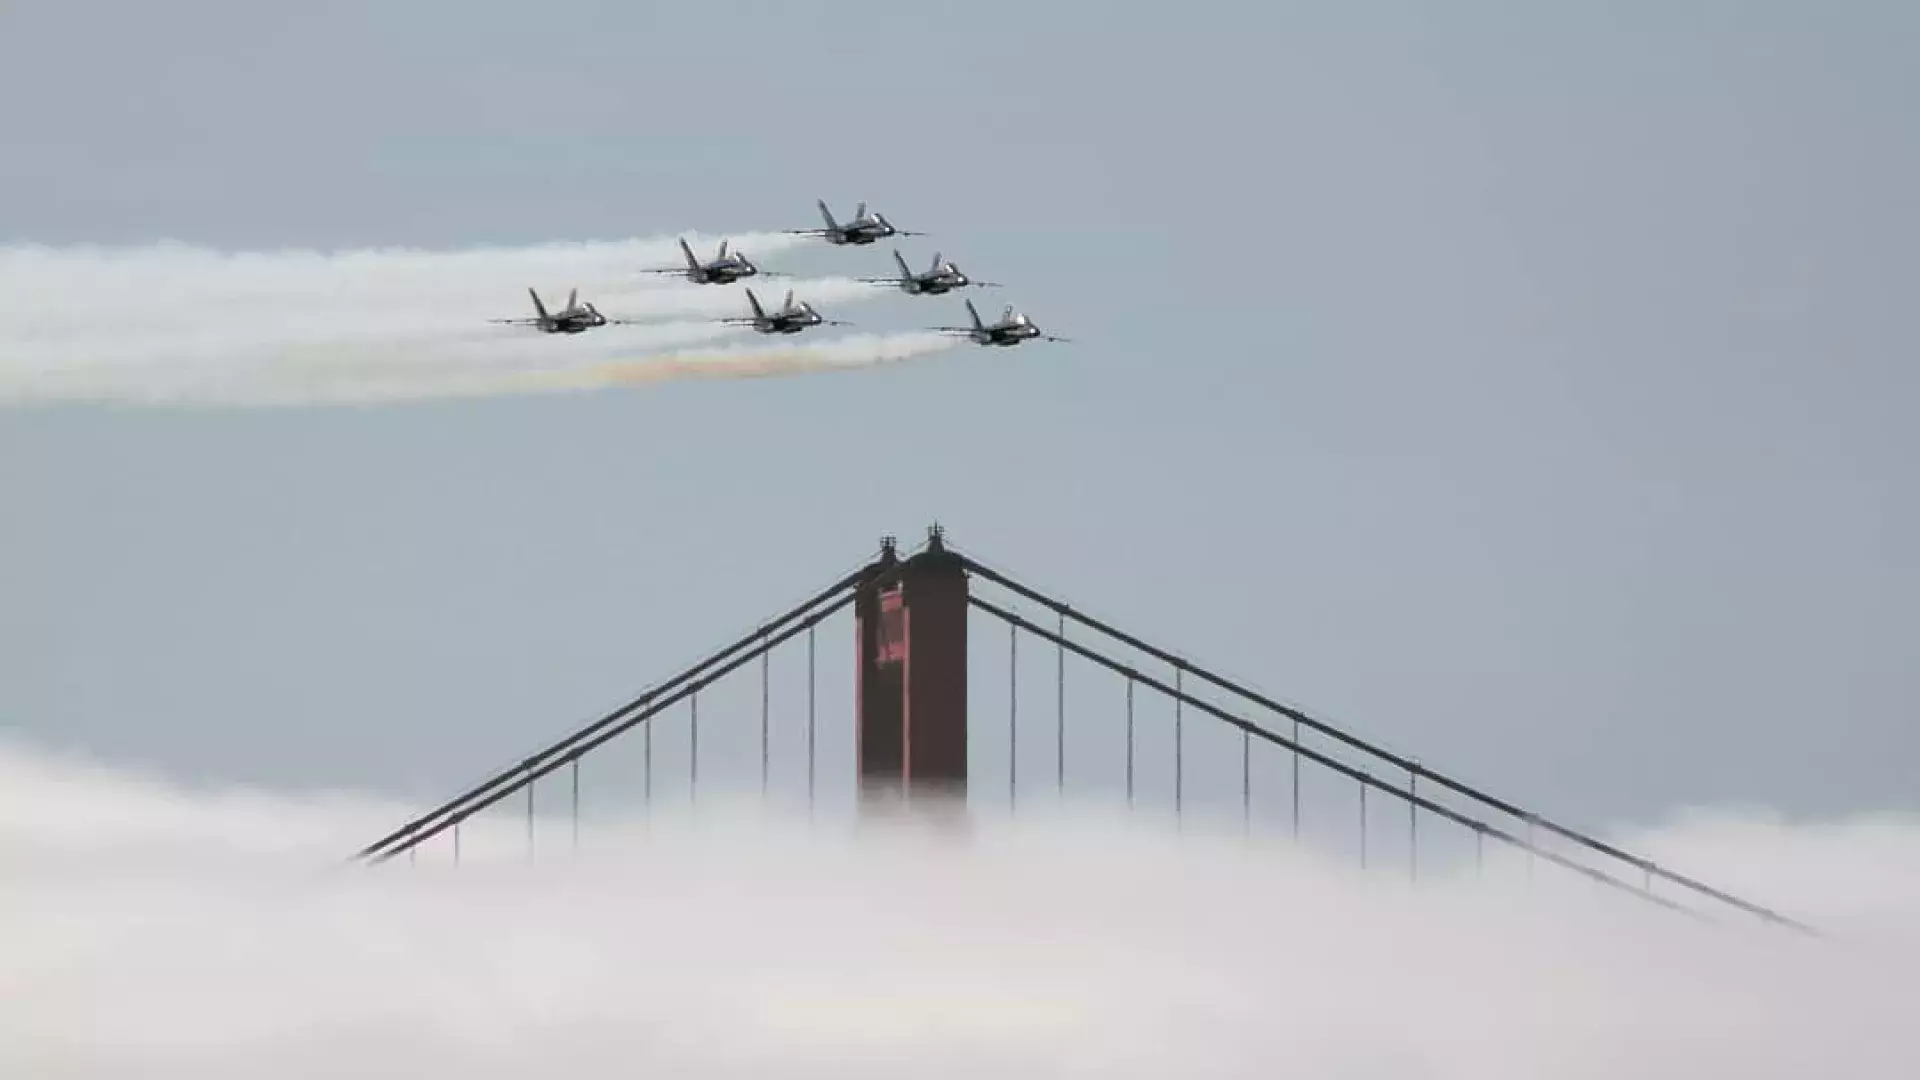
[
  {"x": 724, "y": 269},
  {"x": 1012, "y": 329},
  {"x": 790, "y": 318},
  {"x": 865, "y": 227},
  {"x": 572, "y": 319},
  {"x": 942, "y": 277}
]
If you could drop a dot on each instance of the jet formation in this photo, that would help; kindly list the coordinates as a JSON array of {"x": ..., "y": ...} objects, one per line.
[{"x": 866, "y": 227}]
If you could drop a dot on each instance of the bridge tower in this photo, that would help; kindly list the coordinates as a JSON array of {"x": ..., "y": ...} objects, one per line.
[{"x": 910, "y": 630}]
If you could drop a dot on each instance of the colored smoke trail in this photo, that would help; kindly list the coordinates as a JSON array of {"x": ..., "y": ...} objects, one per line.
[
  {"x": 840, "y": 354},
  {"x": 318, "y": 376},
  {"x": 148, "y": 930},
  {"x": 181, "y": 325}
]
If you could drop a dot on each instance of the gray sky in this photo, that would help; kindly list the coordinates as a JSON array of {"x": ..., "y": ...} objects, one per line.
[{"x": 1530, "y": 389}]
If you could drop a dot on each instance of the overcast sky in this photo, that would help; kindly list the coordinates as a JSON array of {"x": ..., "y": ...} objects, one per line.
[{"x": 1530, "y": 386}]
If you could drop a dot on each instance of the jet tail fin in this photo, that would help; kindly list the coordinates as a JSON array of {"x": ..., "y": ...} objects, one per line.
[
  {"x": 692, "y": 263},
  {"x": 904, "y": 272},
  {"x": 787, "y": 304},
  {"x": 975, "y": 312},
  {"x": 826, "y": 215},
  {"x": 539, "y": 308},
  {"x": 754, "y": 302},
  {"x": 573, "y": 299},
  {"x": 937, "y": 262}
]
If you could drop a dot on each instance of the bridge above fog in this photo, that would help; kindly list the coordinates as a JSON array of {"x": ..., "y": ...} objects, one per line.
[{"x": 939, "y": 666}]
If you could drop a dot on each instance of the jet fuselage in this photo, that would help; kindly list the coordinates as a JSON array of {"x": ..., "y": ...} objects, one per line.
[
  {"x": 574, "y": 322},
  {"x": 859, "y": 235},
  {"x": 932, "y": 285}
]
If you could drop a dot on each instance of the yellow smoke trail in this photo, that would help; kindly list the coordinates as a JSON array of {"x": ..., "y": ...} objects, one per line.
[
  {"x": 845, "y": 354},
  {"x": 342, "y": 386}
]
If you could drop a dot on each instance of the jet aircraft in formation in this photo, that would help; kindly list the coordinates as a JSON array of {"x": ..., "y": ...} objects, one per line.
[
  {"x": 788, "y": 318},
  {"x": 572, "y": 319},
  {"x": 942, "y": 277},
  {"x": 724, "y": 268},
  {"x": 866, "y": 227},
  {"x": 1012, "y": 329},
  {"x": 730, "y": 267}
]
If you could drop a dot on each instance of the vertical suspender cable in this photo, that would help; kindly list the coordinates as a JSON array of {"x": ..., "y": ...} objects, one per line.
[
  {"x": 810, "y": 668},
  {"x": 1013, "y": 714},
  {"x": 1060, "y": 723},
  {"x": 1246, "y": 783},
  {"x": 1296, "y": 782},
  {"x": 765, "y": 698},
  {"x": 1363, "y": 826},
  {"x": 1413, "y": 826},
  {"x": 1178, "y": 763}
]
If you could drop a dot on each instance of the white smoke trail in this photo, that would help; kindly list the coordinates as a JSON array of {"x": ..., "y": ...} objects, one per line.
[
  {"x": 327, "y": 373},
  {"x": 77, "y": 282},
  {"x": 839, "y": 354},
  {"x": 596, "y": 372},
  {"x": 179, "y": 324},
  {"x": 153, "y": 932}
]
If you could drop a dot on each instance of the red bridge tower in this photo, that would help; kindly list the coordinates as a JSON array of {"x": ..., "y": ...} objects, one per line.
[{"x": 910, "y": 708}]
